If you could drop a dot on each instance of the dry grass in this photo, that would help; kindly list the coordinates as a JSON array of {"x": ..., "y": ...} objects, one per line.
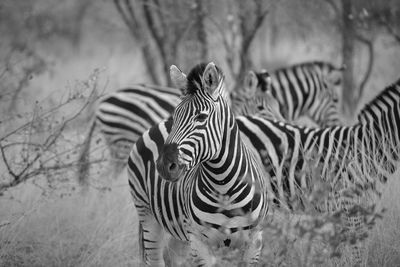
[
  {"x": 91, "y": 229},
  {"x": 100, "y": 229}
]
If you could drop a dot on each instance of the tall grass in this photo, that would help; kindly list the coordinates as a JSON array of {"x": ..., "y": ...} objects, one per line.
[
  {"x": 91, "y": 229},
  {"x": 100, "y": 229}
]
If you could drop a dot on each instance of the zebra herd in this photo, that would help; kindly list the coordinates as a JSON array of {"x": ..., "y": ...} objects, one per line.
[{"x": 211, "y": 168}]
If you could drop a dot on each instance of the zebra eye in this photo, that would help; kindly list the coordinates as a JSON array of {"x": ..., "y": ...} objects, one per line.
[
  {"x": 200, "y": 117},
  {"x": 337, "y": 81}
]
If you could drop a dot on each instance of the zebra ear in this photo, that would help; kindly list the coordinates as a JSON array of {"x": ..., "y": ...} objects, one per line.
[
  {"x": 267, "y": 78},
  {"x": 250, "y": 82},
  {"x": 273, "y": 103},
  {"x": 211, "y": 80},
  {"x": 178, "y": 78}
]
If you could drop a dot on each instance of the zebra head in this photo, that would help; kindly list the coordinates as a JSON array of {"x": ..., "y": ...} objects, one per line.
[
  {"x": 332, "y": 79},
  {"x": 256, "y": 97},
  {"x": 326, "y": 104},
  {"x": 197, "y": 129}
]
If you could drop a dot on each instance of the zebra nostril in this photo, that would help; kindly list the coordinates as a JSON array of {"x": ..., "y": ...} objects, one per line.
[{"x": 173, "y": 167}]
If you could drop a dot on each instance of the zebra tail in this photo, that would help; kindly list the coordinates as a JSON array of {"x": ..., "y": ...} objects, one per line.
[{"x": 83, "y": 160}]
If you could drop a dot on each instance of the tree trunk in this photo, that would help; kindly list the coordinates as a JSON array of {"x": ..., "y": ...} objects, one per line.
[{"x": 348, "y": 53}]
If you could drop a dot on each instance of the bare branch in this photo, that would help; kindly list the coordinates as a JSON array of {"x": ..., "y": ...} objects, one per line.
[
  {"x": 201, "y": 33},
  {"x": 136, "y": 30},
  {"x": 391, "y": 30},
  {"x": 5, "y": 160},
  {"x": 131, "y": 22},
  {"x": 44, "y": 153},
  {"x": 335, "y": 8},
  {"x": 229, "y": 49},
  {"x": 157, "y": 36},
  {"x": 248, "y": 33}
]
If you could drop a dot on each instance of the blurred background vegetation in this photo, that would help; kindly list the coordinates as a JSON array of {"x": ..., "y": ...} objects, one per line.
[
  {"x": 59, "y": 56},
  {"x": 137, "y": 40}
]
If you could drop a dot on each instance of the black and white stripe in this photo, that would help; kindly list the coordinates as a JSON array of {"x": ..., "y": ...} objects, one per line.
[
  {"x": 309, "y": 89},
  {"x": 126, "y": 114},
  {"x": 372, "y": 146}
]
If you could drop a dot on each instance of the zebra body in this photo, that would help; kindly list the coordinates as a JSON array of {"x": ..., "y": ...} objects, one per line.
[
  {"x": 308, "y": 89},
  {"x": 358, "y": 156},
  {"x": 126, "y": 114},
  {"x": 212, "y": 189},
  {"x": 373, "y": 143}
]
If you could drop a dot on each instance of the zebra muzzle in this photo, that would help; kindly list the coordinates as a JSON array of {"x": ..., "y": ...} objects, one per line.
[{"x": 168, "y": 163}]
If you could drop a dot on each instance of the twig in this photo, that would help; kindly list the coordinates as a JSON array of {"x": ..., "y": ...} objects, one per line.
[
  {"x": 334, "y": 6},
  {"x": 229, "y": 50},
  {"x": 136, "y": 30}
]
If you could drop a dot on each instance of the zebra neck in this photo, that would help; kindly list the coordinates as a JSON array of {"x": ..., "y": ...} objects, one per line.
[{"x": 232, "y": 162}]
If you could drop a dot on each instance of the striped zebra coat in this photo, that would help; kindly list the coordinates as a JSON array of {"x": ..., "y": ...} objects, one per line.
[
  {"x": 211, "y": 189},
  {"x": 309, "y": 89},
  {"x": 124, "y": 115},
  {"x": 372, "y": 146}
]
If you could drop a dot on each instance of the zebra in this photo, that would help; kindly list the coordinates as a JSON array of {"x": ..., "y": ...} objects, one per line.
[
  {"x": 307, "y": 89},
  {"x": 364, "y": 154},
  {"x": 194, "y": 178},
  {"x": 372, "y": 145}
]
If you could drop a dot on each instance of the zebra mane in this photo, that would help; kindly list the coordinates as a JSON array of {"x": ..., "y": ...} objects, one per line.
[
  {"x": 368, "y": 108},
  {"x": 319, "y": 63},
  {"x": 194, "y": 78}
]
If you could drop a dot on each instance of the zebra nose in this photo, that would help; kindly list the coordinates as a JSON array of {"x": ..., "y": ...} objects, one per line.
[
  {"x": 167, "y": 163},
  {"x": 173, "y": 167}
]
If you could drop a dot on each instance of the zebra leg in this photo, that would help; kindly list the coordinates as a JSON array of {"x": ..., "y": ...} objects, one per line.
[
  {"x": 151, "y": 241},
  {"x": 253, "y": 252},
  {"x": 175, "y": 253},
  {"x": 200, "y": 252}
]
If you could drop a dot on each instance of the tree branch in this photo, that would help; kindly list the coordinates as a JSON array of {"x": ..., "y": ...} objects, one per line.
[
  {"x": 136, "y": 30},
  {"x": 391, "y": 30},
  {"x": 248, "y": 34},
  {"x": 334, "y": 6},
  {"x": 229, "y": 50}
]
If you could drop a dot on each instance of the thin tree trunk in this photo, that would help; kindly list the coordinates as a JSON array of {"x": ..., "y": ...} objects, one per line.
[{"x": 348, "y": 61}]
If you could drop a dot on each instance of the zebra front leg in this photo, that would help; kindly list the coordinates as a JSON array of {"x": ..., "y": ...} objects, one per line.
[
  {"x": 151, "y": 241},
  {"x": 200, "y": 252},
  {"x": 252, "y": 253}
]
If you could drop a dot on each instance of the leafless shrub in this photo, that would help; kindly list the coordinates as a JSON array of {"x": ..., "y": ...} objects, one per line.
[{"x": 43, "y": 143}]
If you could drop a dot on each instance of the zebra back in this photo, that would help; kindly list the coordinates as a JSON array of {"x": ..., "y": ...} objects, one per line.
[
  {"x": 365, "y": 153},
  {"x": 126, "y": 114},
  {"x": 308, "y": 89}
]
